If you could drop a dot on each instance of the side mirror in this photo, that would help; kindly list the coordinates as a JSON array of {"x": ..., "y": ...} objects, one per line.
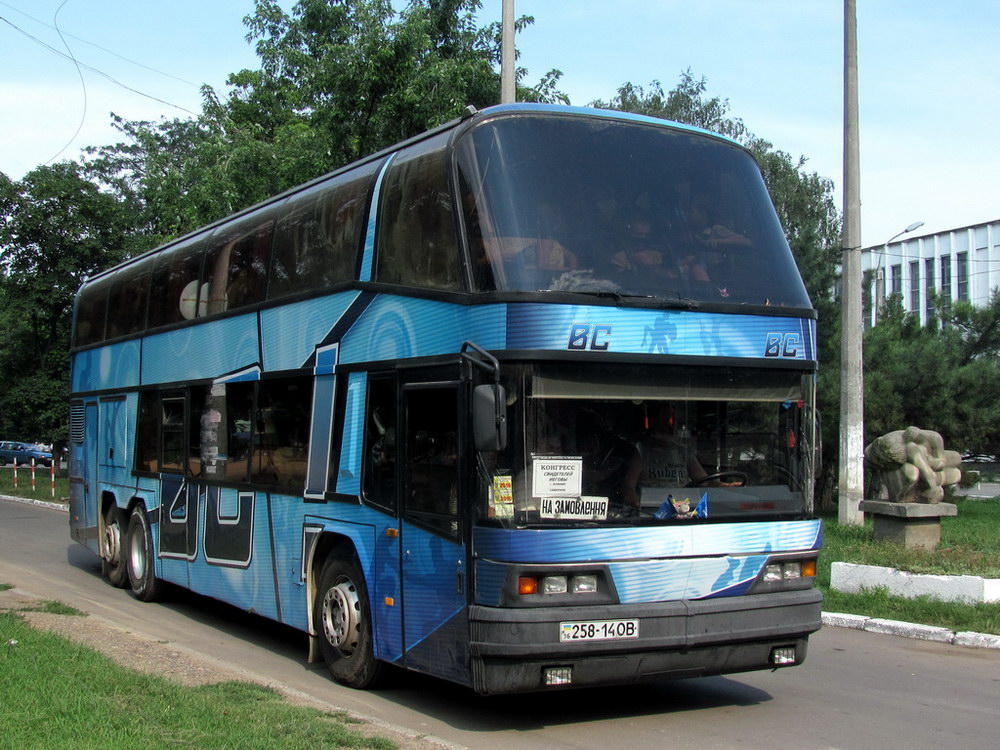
[{"x": 489, "y": 417}]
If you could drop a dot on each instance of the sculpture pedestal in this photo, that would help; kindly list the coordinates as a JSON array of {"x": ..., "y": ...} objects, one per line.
[{"x": 914, "y": 525}]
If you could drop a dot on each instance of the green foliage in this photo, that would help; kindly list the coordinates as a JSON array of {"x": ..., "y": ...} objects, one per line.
[
  {"x": 58, "y": 694},
  {"x": 943, "y": 377},
  {"x": 337, "y": 81},
  {"x": 56, "y": 227}
]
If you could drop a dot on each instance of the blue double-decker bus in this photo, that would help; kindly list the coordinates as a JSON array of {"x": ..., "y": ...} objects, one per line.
[{"x": 524, "y": 403}]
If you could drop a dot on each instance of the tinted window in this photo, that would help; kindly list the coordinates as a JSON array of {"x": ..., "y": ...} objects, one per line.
[
  {"x": 172, "y": 435},
  {"x": 417, "y": 245},
  {"x": 281, "y": 437},
  {"x": 92, "y": 309},
  {"x": 147, "y": 437},
  {"x": 129, "y": 294},
  {"x": 432, "y": 485},
  {"x": 235, "y": 272},
  {"x": 318, "y": 240},
  {"x": 380, "y": 442},
  {"x": 176, "y": 284},
  {"x": 584, "y": 204}
]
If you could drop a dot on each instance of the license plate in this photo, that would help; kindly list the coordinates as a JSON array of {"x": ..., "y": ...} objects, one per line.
[{"x": 598, "y": 630}]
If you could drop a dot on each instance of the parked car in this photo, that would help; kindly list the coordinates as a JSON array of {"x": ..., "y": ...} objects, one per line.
[
  {"x": 23, "y": 453},
  {"x": 978, "y": 458}
]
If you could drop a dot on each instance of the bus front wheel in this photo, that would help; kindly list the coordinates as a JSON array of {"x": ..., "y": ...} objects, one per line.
[
  {"x": 139, "y": 555},
  {"x": 342, "y": 619},
  {"x": 113, "y": 557}
]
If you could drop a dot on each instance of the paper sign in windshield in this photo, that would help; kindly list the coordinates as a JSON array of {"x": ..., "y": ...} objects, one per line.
[
  {"x": 584, "y": 508},
  {"x": 556, "y": 477}
]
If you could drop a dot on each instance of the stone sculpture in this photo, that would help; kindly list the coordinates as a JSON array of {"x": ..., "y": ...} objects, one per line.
[{"x": 914, "y": 465}]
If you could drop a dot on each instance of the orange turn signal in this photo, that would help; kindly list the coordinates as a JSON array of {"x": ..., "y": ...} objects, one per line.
[
  {"x": 809, "y": 568},
  {"x": 527, "y": 585}
]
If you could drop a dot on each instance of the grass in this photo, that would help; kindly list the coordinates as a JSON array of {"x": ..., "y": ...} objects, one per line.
[
  {"x": 43, "y": 484},
  {"x": 57, "y": 694},
  {"x": 970, "y": 545}
]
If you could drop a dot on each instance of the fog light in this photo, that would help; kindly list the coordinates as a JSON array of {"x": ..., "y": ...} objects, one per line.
[
  {"x": 783, "y": 655},
  {"x": 583, "y": 584},
  {"x": 554, "y": 585},
  {"x": 558, "y": 675}
]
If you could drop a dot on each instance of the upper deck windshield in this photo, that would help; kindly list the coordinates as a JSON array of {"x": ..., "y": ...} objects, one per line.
[
  {"x": 616, "y": 444},
  {"x": 601, "y": 205}
]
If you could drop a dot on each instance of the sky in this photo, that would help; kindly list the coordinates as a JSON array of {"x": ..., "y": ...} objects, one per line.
[{"x": 929, "y": 80}]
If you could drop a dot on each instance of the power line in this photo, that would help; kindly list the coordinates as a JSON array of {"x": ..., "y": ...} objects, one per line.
[
  {"x": 83, "y": 85},
  {"x": 92, "y": 69},
  {"x": 103, "y": 49}
]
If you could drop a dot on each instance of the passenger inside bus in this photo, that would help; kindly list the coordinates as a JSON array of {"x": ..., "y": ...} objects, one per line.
[
  {"x": 664, "y": 457},
  {"x": 651, "y": 253}
]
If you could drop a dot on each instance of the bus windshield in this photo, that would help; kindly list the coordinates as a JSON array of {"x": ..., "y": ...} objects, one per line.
[
  {"x": 607, "y": 206},
  {"x": 621, "y": 445}
]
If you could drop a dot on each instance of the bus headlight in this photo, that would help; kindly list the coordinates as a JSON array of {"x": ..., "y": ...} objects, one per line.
[
  {"x": 791, "y": 574},
  {"x": 583, "y": 584},
  {"x": 554, "y": 585}
]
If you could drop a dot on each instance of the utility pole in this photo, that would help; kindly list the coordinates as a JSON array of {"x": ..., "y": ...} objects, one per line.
[
  {"x": 508, "y": 93},
  {"x": 851, "y": 486}
]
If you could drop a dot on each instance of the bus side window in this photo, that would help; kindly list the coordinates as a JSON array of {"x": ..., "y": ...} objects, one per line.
[
  {"x": 432, "y": 457},
  {"x": 92, "y": 309},
  {"x": 147, "y": 434},
  {"x": 172, "y": 433},
  {"x": 176, "y": 283},
  {"x": 129, "y": 293},
  {"x": 317, "y": 242},
  {"x": 236, "y": 268},
  {"x": 417, "y": 244},
  {"x": 380, "y": 443},
  {"x": 281, "y": 432}
]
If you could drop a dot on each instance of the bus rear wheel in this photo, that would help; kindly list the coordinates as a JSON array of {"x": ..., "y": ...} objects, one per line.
[
  {"x": 139, "y": 556},
  {"x": 342, "y": 619},
  {"x": 113, "y": 559}
]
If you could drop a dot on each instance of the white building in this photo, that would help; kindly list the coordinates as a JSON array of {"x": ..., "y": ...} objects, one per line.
[{"x": 957, "y": 264}]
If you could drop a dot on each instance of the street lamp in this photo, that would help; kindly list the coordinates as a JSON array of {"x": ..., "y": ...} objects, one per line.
[{"x": 880, "y": 274}]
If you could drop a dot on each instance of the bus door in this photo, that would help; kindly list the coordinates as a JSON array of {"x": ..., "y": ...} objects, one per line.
[{"x": 433, "y": 560}]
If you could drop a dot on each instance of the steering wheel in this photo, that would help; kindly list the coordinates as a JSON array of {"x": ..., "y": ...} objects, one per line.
[{"x": 719, "y": 475}]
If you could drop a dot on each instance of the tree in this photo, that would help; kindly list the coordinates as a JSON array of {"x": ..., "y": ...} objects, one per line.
[
  {"x": 942, "y": 376},
  {"x": 337, "y": 81},
  {"x": 56, "y": 227}
]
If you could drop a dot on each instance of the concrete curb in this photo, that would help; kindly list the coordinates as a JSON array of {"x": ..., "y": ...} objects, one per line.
[
  {"x": 29, "y": 501},
  {"x": 911, "y": 630}
]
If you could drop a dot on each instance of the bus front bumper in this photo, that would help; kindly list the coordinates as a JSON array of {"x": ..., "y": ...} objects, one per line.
[{"x": 519, "y": 650}]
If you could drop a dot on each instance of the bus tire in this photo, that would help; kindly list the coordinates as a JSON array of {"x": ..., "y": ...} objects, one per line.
[
  {"x": 342, "y": 618},
  {"x": 113, "y": 567},
  {"x": 140, "y": 558}
]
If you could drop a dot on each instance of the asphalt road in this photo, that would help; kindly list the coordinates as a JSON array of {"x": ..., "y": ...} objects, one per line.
[{"x": 856, "y": 689}]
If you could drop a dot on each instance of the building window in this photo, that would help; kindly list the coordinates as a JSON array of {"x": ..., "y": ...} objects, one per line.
[
  {"x": 929, "y": 288},
  {"x": 962, "y": 261},
  {"x": 946, "y": 279},
  {"x": 896, "y": 279},
  {"x": 914, "y": 303}
]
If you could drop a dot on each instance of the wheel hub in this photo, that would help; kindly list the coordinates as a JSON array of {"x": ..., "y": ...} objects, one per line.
[
  {"x": 112, "y": 543},
  {"x": 341, "y": 610}
]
